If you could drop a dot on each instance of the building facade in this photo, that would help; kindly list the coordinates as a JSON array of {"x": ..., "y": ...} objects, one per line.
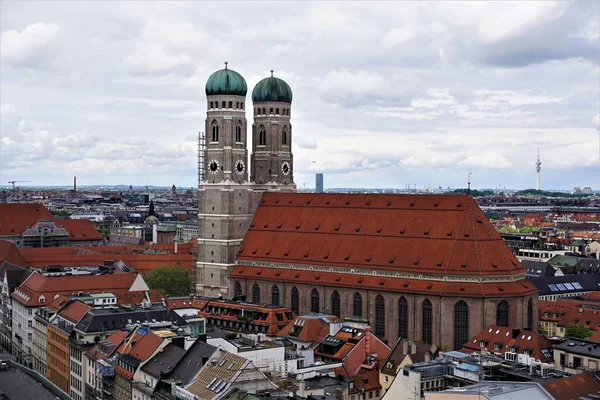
[{"x": 227, "y": 197}]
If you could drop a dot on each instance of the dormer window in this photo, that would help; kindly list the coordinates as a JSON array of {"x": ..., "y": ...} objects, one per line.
[{"x": 42, "y": 299}]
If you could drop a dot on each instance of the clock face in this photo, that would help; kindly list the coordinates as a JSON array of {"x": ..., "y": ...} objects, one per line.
[
  {"x": 285, "y": 168},
  {"x": 213, "y": 166},
  {"x": 239, "y": 167}
]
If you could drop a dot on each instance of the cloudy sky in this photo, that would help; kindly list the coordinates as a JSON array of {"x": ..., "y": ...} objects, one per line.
[{"x": 385, "y": 94}]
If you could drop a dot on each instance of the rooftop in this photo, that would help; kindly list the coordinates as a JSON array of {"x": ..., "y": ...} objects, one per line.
[
  {"x": 579, "y": 346},
  {"x": 19, "y": 386},
  {"x": 501, "y": 391}
]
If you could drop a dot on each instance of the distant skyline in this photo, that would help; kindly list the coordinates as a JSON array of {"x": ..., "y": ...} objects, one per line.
[{"x": 385, "y": 94}]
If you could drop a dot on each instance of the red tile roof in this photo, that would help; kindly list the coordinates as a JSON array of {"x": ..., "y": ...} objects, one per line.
[
  {"x": 429, "y": 234},
  {"x": 75, "y": 311},
  {"x": 573, "y": 387},
  {"x": 80, "y": 229},
  {"x": 10, "y": 253},
  {"x": 308, "y": 329},
  {"x": 16, "y": 217},
  {"x": 521, "y": 340},
  {"x": 49, "y": 286},
  {"x": 101, "y": 351}
]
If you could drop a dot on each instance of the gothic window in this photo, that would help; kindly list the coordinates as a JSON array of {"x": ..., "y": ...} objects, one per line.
[
  {"x": 357, "y": 305},
  {"x": 237, "y": 289},
  {"x": 403, "y": 317},
  {"x": 379, "y": 316},
  {"x": 502, "y": 313},
  {"x": 242, "y": 105},
  {"x": 215, "y": 132},
  {"x": 238, "y": 133},
  {"x": 231, "y": 104},
  {"x": 277, "y": 111},
  {"x": 255, "y": 294},
  {"x": 264, "y": 111},
  {"x": 427, "y": 321},
  {"x": 335, "y": 303},
  {"x": 295, "y": 301},
  {"x": 237, "y": 104},
  {"x": 284, "y": 137},
  {"x": 275, "y": 295},
  {"x": 211, "y": 105},
  {"x": 314, "y": 301},
  {"x": 262, "y": 136},
  {"x": 529, "y": 315},
  {"x": 223, "y": 104},
  {"x": 461, "y": 324},
  {"x": 271, "y": 111}
]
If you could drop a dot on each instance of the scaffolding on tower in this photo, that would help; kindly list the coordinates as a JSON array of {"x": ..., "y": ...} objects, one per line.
[{"x": 201, "y": 148}]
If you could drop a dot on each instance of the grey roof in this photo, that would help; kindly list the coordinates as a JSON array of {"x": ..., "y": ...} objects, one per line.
[
  {"x": 579, "y": 346},
  {"x": 15, "y": 274},
  {"x": 537, "y": 268},
  {"x": 192, "y": 361},
  {"x": 108, "y": 320},
  {"x": 588, "y": 266},
  {"x": 18, "y": 385},
  {"x": 164, "y": 362},
  {"x": 503, "y": 391},
  {"x": 548, "y": 285}
]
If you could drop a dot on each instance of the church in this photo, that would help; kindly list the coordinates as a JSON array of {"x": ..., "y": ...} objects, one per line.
[{"x": 430, "y": 268}]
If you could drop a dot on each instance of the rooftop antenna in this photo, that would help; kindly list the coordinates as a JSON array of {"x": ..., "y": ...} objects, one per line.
[{"x": 469, "y": 184}]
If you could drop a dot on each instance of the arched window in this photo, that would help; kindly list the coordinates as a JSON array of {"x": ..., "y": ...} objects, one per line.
[
  {"x": 314, "y": 301},
  {"x": 237, "y": 289},
  {"x": 237, "y": 104},
  {"x": 211, "y": 105},
  {"x": 215, "y": 132},
  {"x": 427, "y": 321},
  {"x": 284, "y": 137},
  {"x": 403, "y": 317},
  {"x": 264, "y": 111},
  {"x": 530, "y": 315},
  {"x": 223, "y": 104},
  {"x": 357, "y": 305},
  {"x": 461, "y": 324},
  {"x": 238, "y": 133},
  {"x": 231, "y": 104},
  {"x": 275, "y": 295},
  {"x": 502, "y": 313},
  {"x": 277, "y": 111},
  {"x": 255, "y": 294},
  {"x": 242, "y": 105},
  {"x": 295, "y": 301},
  {"x": 335, "y": 303},
  {"x": 262, "y": 136},
  {"x": 379, "y": 316},
  {"x": 271, "y": 110}
]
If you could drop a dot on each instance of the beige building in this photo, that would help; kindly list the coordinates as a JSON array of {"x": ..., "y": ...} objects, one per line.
[{"x": 577, "y": 355}]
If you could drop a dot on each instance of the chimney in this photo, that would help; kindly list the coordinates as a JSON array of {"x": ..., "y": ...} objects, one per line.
[
  {"x": 368, "y": 340},
  {"x": 413, "y": 347},
  {"x": 515, "y": 333},
  {"x": 175, "y": 241},
  {"x": 74, "y": 186},
  {"x": 404, "y": 346}
]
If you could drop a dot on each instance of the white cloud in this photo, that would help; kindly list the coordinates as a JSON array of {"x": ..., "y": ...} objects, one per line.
[
  {"x": 596, "y": 121},
  {"x": 30, "y": 47}
]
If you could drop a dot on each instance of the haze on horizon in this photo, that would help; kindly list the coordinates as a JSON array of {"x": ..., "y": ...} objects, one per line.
[{"x": 385, "y": 94}]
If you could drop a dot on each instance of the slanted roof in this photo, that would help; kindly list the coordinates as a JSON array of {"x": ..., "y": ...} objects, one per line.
[
  {"x": 554, "y": 285},
  {"x": 573, "y": 387},
  {"x": 15, "y": 275},
  {"x": 75, "y": 311},
  {"x": 217, "y": 376},
  {"x": 164, "y": 362},
  {"x": 9, "y": 252},
  {"x": 537, "y": 268},
  {"x": 308, "y": 328},
  {"x": 425, "y": 234},
  {"x": 105, "y": 348},
  {"x": 16, "y": 217},
  {"x": 80, "y": 229},
  {"x": 588, "y": 266},
  {"x": 192, "y": 361}
]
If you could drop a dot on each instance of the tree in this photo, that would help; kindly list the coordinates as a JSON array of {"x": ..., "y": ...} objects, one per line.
[
  {"x": 172, "y": 280},
  {"x": 577, "y": 332}
]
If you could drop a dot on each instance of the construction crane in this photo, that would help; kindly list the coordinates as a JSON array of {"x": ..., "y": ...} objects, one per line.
[{"x": 13, "y": 185}]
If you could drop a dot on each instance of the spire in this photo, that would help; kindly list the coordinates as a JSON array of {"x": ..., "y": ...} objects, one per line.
[
  {"x": 226, "y": 62},
  {"x": 272, "y": 70},
  {"x": 538, "y": 167}
]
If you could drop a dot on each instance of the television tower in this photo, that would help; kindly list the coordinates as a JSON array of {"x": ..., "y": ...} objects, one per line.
[{"x": 538, "y": 167}]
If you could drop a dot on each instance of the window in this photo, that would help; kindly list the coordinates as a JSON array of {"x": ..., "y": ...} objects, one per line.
[
  {"x": 379, "y": 316},
  {"x": 270, "y": 111},
  {"x": 30, "y": 324},
  {"x": 403, "y": 317},
  {"x": 242, "y": 105},
  {"x": 29, "y": 311},
  {"x": 461, "y": 324},
  {"x": 275, "y": 295},
  {"x": 335, "y": 303},
  {"x": 426, "y": 321},
  {"x": 357, "y": 308},
  {"x": 262, "y": 136},
  {"x": 277, "y": 111},
  {"x": 238, "y": 133},
  {"x": 529, "y": 315},
  {"x": 295, "y": 301},
  {"x": 255, "y": 294},
  {"x": 231, "y": 104},
  {"x": 237, "y": 289},
  {"x": 223, "y": 104},
  {"x": 314, "y": 301},
  {"x": 211, "y": 105},
  {"x": 215, "y": 132},
  {"x": 284, "y": 137},
  {"x": 502, "y": 313}
]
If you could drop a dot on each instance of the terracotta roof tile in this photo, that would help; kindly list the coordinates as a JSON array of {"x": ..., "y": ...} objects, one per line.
[
  {"x": 80, "y": 229},
  {"x": 309, "y": 329},
  {"x": 10, "y": 253},
  {"x": 75, "y": 311},
  {"x": 573, "y": 387},
  {"x": 438, "y": 234},
  {"x": 16, "y": 217}
]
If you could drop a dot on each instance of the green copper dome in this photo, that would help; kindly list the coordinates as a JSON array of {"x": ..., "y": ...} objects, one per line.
[
  {"x": 226, "y": 81},
  {"x": 272, "y": 89}
]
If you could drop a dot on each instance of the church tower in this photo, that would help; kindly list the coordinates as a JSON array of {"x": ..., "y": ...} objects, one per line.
[
  {"x": 272, "y": 161},
  {"x": 225, "y": 195}
]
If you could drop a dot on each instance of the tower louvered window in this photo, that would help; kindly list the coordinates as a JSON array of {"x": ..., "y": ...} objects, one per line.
[
  {"x": 380, "y": 316},
  {"x": 295, "y": 301},
  {"x": 284, "y": 137},
  {"x": 335, "y": 303},
  {"x": 461, "y": 324},
  {"x": 357, "y": 305},
  {"x": 403, "y": 318},
  {"x": 237, "y": 289},
  {"x": 314, "y": 301},
  {"x": 255, "y": 294},
  {"x": 238, "y": 133},
  {"x": 275, "y": 295},
  {"x": 502, "y": 313},
  {"x": 262, "y": 136},
  {"x": 530, "y": 315},
  {"x": 427, "y": 321},
  {"x": 215, "y": 132}
]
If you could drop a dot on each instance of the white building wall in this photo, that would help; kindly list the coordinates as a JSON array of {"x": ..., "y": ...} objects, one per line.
[
  {"x": 405, "y": 387},
  {"x": 22, "y": 325}
]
